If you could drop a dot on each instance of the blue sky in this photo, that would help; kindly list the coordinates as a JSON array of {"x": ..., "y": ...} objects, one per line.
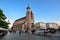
[{"x": 44, "y": 10}]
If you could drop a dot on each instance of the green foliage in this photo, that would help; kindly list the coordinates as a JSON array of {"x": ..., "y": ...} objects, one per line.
[
  {"x": 3, "y": 23},
  {"x": 2, "y": 16}
]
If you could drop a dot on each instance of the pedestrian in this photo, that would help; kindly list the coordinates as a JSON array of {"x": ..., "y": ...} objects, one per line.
[{"x": 19, "y": 32}]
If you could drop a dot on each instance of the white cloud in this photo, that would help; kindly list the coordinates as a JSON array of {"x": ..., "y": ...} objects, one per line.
[
  {"x": 11, "y": 22},
  {"x": 6, "y": 20}
]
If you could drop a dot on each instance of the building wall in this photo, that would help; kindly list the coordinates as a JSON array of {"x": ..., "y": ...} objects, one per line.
[
  {"x": 29, "y": 19},
  {"x": 52, "y": 25},
  {"x": 40, "y": 25}
]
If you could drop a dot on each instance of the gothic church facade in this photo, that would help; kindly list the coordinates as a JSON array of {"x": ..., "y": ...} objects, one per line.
[{"x": 24, "y": 23}]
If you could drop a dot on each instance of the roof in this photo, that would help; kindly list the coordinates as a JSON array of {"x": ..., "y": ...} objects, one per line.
[{"x": 21, "y": 19}]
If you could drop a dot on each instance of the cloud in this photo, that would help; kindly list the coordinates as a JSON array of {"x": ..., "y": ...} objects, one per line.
[{"x": 11, "y": 22}]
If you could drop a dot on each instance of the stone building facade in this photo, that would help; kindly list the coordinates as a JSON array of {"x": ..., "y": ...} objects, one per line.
[
  {"x": 52, "y": 25},
  {"x": 24, "y": 22},
  {"x": 40, "y": 25}
]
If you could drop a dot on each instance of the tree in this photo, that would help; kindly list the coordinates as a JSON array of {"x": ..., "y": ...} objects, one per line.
[
  {"x": 3, "y": 23},
  {"x": 2, "y": 16}
]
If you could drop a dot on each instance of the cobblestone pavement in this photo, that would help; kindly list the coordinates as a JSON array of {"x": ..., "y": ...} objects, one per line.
[{"x": 17, "y": 36}]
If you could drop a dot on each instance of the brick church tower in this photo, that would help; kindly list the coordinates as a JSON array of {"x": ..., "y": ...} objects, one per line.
[{"x": 29, "y": 18}]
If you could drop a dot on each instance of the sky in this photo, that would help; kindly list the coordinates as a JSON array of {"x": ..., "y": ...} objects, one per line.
[{"x": 43, "y": 10}]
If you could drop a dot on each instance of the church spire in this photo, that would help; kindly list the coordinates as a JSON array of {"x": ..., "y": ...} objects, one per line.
[{"x": 28, "y": 7}]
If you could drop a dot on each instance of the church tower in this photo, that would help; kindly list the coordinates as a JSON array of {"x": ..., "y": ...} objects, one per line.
[{"x": 29, "y": 18}]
